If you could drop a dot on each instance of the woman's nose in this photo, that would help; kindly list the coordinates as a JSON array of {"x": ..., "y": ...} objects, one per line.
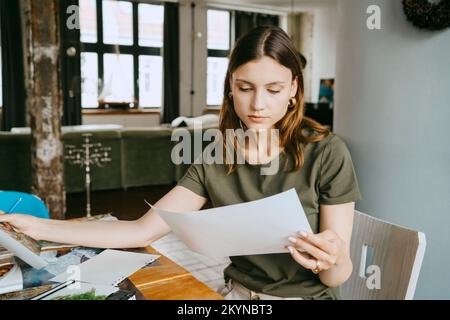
[{"x": 258, "y": 102}]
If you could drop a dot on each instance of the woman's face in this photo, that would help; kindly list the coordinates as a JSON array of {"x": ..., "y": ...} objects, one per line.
[{"x": 261, "y": 91}]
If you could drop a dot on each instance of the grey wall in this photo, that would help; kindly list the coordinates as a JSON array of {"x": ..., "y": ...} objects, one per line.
[{"x": 393, "y": 110}]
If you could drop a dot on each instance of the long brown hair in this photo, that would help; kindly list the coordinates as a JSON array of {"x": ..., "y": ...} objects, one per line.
[{"x": 272, "y": 42}]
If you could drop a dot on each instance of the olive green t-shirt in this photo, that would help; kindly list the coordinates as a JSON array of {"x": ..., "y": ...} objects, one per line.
[{"x": 327, "y": 177}]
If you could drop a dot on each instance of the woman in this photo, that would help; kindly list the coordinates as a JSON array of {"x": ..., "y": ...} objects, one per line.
[{"x": 263, "y": 91}]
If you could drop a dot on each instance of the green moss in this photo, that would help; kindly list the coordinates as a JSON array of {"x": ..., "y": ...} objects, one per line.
[{"x": 90, "y": 295}]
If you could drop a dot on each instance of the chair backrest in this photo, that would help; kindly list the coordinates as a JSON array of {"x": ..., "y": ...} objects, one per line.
[
  {"x": 29, "y": 204},
  {"x": 392, "y": 253}
]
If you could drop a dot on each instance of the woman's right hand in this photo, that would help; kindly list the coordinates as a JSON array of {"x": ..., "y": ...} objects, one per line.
[{"x": 22, "y": 223}]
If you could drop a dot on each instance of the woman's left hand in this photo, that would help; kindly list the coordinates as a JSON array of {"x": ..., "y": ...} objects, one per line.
[{"x": 317, "y": 252}]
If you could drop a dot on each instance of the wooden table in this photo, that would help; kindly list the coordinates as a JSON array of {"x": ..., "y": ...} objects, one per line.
[
  {"x": 167, "y": 280},
  {"x": 162, "y": 280}
]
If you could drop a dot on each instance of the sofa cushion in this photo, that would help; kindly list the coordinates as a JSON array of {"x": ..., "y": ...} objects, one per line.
[
  {"x": 146, "y": 155},
  {"x": 106, "y": 177}
]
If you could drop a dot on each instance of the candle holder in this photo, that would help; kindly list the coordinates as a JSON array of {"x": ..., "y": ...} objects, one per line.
[{"x": 86, "y": 156}]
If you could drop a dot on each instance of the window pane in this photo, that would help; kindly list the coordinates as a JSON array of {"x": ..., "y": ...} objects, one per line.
[
  {"x": 217, "y": 68},
  {"x": 150, "y": 81},
  {"x": 151, "y": 22},
  {"x": 89, "y": 80},
  {"x": 118, "y": 78},
  {"x": 218, "y": 30},
  {"x": 88, "y": 21},
  {"x": 117, "y": 22}
]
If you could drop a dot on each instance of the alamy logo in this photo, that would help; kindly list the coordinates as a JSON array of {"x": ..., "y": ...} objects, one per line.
[
  {"x": 369, "y": 271},
  {"x": 373, "y": 21},
  {"x": 260, "y": 141},
  {"x": 75, "y": 275},
  {"x": 373, "y": 281},
  {"x": 73, "y": 21}
]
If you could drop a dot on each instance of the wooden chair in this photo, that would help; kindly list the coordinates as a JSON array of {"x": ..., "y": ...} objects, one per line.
[{"x": 392, "y": 253}]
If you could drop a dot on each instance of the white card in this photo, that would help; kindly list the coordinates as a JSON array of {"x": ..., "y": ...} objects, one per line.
[{"x": 257, "y": 227}]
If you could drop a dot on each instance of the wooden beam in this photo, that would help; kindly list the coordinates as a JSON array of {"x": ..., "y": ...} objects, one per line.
[{"x": 45, "y": 102}]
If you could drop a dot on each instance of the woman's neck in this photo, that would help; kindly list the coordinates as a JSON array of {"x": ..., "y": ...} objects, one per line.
[{"x": 263, "y": 147}]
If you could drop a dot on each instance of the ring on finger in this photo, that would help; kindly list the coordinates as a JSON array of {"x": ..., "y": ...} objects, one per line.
[{"x": 317, "y": 269}]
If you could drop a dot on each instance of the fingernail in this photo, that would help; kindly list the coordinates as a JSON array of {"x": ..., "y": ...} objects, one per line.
[
  {"x": 292, "y": 239},
  {"x": 291, "y": 250},
  {"x": 303, "y": 234}
]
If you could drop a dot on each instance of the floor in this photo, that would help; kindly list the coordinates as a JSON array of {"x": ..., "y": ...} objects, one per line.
[{"x": 129, "y": 205}]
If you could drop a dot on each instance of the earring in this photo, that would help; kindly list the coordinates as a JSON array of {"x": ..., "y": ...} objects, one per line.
[
  {"x": 230, "y": 95},
  {"x": 292, "y": 102}
]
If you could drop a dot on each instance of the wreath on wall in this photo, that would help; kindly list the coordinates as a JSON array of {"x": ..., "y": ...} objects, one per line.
[{"x": 426, "y": 15}]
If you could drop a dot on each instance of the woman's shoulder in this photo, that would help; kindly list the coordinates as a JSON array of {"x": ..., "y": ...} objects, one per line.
[{"x": 332, "y": 142}]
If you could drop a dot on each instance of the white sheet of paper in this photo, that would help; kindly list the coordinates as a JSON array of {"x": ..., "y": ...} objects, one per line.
[
  {"x": 108, "y": 268},
  {"x": 256, "y": 227}
]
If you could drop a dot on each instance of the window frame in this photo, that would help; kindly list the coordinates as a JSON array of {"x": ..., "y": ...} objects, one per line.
[
  {"x": 217, "y": 53},
  {"x": 100, "y": 48}
]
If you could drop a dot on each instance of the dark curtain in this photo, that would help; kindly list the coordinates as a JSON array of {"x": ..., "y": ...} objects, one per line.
[
  {"x": 171, "y": 58},
  {"x": 70, "y": 65},
  {"x": 14, "y": 111},
  {"x": 246, "y": 21},
  {"x": 267, "y": 20}
]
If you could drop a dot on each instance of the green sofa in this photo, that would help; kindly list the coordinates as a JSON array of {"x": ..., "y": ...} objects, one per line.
[
  {"x": 103, "y": 178},
  {"x": 140, "y": 157},
  {"x": 146, "y": 157}
]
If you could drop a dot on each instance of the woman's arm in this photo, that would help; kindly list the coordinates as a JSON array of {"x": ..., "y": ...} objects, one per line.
[
  {"x": 331, "y": 247},
  {"x": 338, "y": 219},
  {"x": 108, "y": 234}
]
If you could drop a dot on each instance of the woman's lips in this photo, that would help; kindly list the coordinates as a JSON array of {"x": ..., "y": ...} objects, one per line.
[{"x": 257, "y": 118}]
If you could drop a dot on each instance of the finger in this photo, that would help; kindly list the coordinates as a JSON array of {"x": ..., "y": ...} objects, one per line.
[
  {"x": 6, "y": 227},
  {"x": 321, "y": 240},
  {"x": 302, "y": 259},
  {"x": 292, "y": 242},
  {"x": 6, "y": 217},
  {"x": 317, "y": 253}
]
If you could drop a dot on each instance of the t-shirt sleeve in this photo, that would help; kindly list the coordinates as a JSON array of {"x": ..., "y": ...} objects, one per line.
[
  {"x": 194, "y": 180},
  {"x": 338, "y": 183}
]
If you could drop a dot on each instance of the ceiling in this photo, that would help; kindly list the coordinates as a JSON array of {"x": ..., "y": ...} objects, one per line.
[{"x": 286, "y": 5}]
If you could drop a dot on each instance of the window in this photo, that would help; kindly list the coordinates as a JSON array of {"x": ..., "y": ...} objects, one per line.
[
  {"x": 121, "y": 58},
  {"x": 218, "y": 43}
]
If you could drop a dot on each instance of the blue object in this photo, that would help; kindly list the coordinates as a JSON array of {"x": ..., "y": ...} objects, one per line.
[
  {"x": 15, "y": 204},
  {"x": 29, "y": 204}
]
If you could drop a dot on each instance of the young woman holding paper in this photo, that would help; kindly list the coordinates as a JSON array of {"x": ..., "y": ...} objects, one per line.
[{"x": 263, "y": 91}]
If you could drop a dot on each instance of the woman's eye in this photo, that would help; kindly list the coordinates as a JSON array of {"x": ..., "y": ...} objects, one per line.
[
  {"x": 245, "y": 89},
  {"x": 274, "y": 91}
]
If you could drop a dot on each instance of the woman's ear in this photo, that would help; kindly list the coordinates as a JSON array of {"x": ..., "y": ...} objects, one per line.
[{"x": 294, "y": 87}]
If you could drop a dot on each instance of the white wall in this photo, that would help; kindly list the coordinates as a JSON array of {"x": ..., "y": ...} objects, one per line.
[
  {"x": 324, "y": 47},
  {"x": 392, "y": 109},
  {"x": 303, "y": 38}
]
